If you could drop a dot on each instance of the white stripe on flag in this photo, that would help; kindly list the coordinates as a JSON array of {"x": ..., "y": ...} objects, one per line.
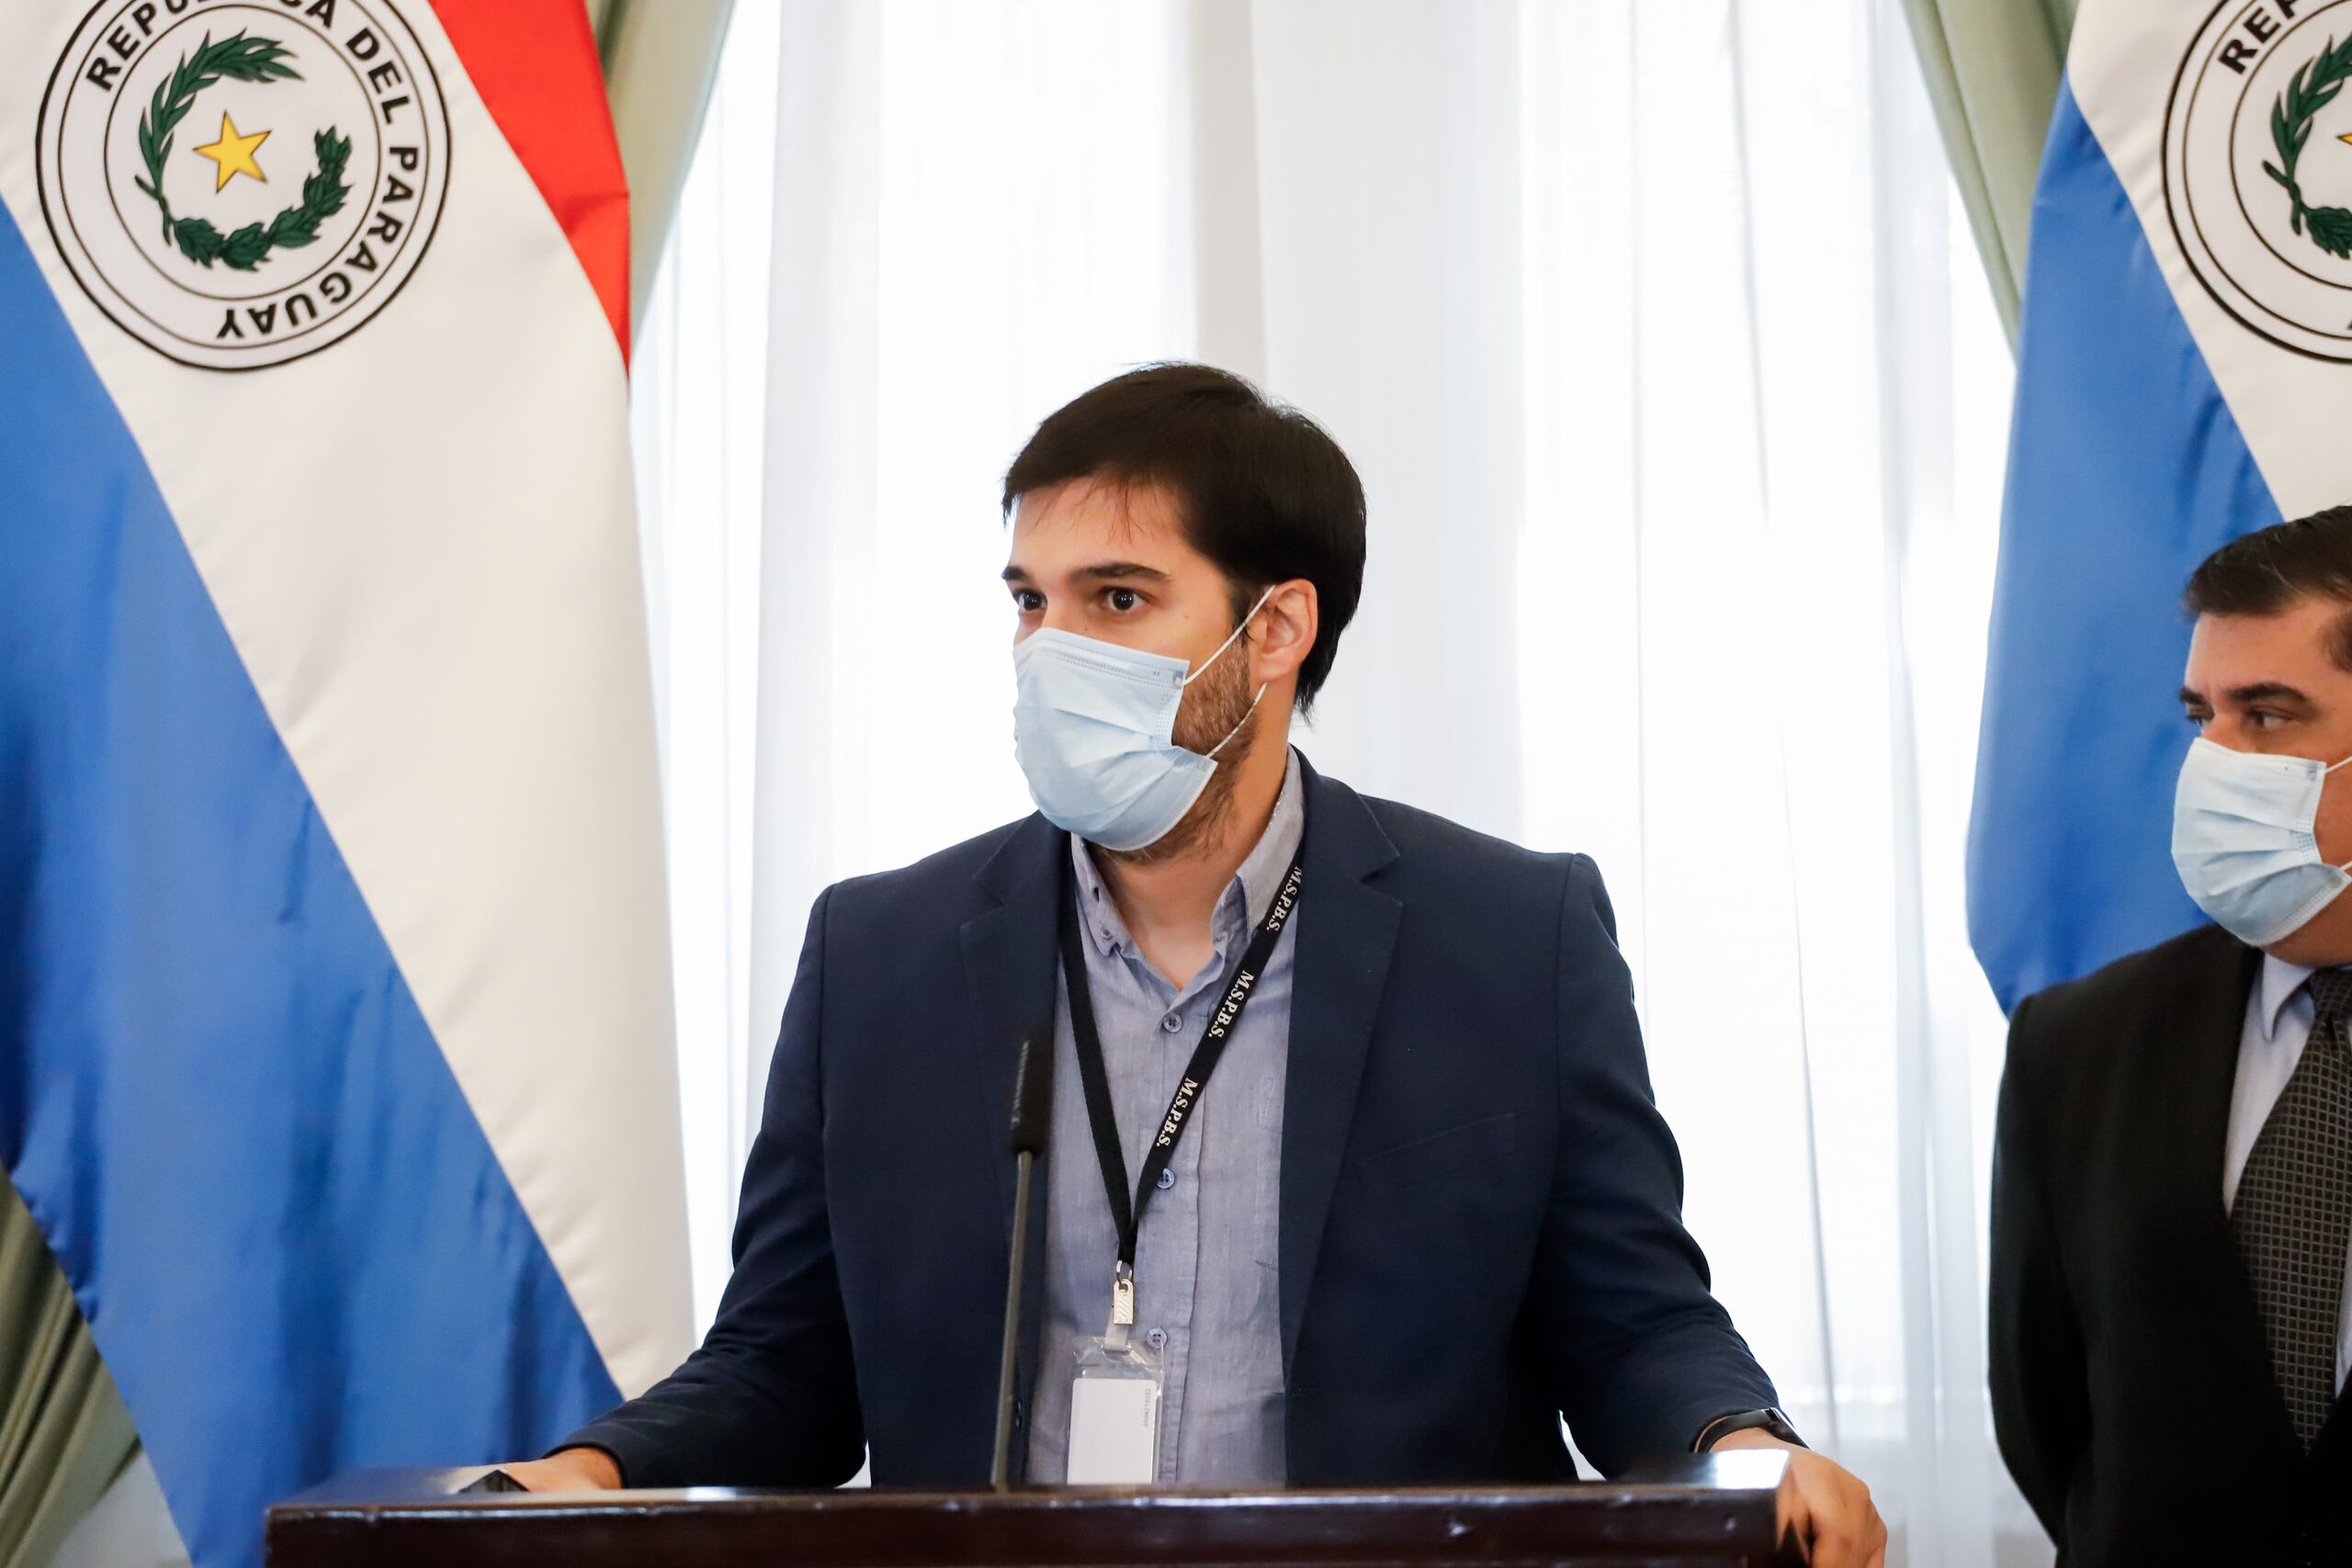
[
  {"x": 421, "y": 542},
  {"x": 2126, "y": 62}
]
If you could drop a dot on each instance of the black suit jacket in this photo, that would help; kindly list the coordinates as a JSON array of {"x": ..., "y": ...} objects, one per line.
[
  {"x": 2132, "y": 1385},
  {"x": 1479, "y": 1204}
]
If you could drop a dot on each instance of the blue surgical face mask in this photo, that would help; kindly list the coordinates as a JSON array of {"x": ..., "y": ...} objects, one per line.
[
  {"x": 1093, "y": 726},
  {"x": 2241, "y": 840}
]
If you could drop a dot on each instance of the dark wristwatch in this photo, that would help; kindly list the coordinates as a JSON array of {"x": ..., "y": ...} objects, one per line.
[{"x": 1767, "y": 1420}]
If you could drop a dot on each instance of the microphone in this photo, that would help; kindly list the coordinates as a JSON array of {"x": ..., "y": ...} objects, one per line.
[{"x": 1033, "y": 1101}]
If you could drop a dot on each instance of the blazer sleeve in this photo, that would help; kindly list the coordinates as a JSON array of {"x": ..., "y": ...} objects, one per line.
[
  {"x": 2041, "y": 1398},
  {"x": 770, "y": 1399},
  {"x": 1642, "y": 1356}
]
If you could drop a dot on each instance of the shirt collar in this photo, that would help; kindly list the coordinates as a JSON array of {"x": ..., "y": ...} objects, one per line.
[
  {"x": 1261, "y": 871},
  {"x": 1254, "y": 884},
  {"x": 2280, "y": 981}
]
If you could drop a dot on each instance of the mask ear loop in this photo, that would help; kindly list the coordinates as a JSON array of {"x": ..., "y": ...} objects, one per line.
[
  {"x": 1212, "y": 658},
  {"x": 1242, "y": 625},
  {"x": 2323, "y": 773},
  {"x": 1238, "y": 728}
]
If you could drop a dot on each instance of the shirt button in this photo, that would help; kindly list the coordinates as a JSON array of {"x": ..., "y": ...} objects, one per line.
[
  {"x": 1167, "y": 1180},
  {"x": 1159, "y": 1338},
  {"x": 1172, "y": 1022}
]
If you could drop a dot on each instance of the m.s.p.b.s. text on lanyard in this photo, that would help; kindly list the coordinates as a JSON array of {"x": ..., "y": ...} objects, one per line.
[{"x": 1127, "y": 1212}]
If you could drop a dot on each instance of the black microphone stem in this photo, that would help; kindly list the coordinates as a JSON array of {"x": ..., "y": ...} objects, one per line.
[
  {"x": 1000, "y": 1467},
  {"x": 1032, "y": 1099}
]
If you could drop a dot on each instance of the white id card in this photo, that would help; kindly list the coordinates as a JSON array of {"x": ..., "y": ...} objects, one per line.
[{"x": 1115, "y": 1414}]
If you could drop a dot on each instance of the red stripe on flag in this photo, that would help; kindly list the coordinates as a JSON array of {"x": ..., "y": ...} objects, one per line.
[{"x": 533, "y": 63}]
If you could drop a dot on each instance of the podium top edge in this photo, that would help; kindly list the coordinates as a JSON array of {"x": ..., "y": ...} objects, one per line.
[{"x": 1744, "y": 1473}]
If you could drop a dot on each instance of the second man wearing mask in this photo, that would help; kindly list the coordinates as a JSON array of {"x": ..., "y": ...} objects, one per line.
[{"x": 2172, "y": 1183}]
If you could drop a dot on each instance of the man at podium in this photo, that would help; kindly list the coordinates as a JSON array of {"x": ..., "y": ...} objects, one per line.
[{"x": 1352, "y": 1173}]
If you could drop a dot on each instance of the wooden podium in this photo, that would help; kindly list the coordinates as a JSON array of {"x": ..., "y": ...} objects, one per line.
[{"x": 1716, "y": 1510}]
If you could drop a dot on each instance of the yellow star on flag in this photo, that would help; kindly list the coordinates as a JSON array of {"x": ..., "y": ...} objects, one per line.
[{"x": 235, "y": 154}]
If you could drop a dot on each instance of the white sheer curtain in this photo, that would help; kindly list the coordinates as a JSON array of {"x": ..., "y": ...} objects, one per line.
[{"x": 1679, "y": 402}]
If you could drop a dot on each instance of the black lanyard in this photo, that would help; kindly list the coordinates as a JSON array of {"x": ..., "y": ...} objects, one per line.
[{"x": 1240, "y": 985}]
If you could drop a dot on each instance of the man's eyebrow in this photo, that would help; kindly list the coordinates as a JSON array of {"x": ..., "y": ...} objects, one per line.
[
  {"x": 2267, "y": 692},
  {"x": 1101, "y": 571},
  {"x": 2190, "y": 697},
  {"x": 1120, "y": 572}
]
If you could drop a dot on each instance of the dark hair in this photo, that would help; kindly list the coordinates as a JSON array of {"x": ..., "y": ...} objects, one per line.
[
  {"x": 2265, "y": 572},
  {"x": 1261, "y": 490}
]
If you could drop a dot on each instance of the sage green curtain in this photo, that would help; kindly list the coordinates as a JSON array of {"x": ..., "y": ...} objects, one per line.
[
  {"x": 1992, "y": 68},
  {"x": 660, "y": 57},
  {"x": 64, "y": 1434}
]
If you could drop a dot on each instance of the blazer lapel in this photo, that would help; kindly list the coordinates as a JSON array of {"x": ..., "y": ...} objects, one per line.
[
  {"x": 1346, "y": 934},
  {"x": 2331, "y": 1451},
  {"x": 1009, "y": 966},
  {"x": 2210, "y": 1018}
]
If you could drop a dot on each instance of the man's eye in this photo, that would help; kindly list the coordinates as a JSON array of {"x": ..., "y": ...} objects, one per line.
[
  {"x": 1124, "y": 599},
  {"x": 1028, "y": 600}
]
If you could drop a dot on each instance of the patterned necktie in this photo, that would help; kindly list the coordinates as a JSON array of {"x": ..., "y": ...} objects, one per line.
[{"x": 2293, "y": 1213}]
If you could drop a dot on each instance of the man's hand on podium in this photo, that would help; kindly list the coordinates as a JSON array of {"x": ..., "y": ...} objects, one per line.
[
  {"x": 569, "y": 1469},
  {"x": 1830, "y": 1508}
]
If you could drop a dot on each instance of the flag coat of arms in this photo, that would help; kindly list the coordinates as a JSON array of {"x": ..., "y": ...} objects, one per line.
[
  {"x": 2184, "y": 369},
  {"x": 335, "y": 1057}
]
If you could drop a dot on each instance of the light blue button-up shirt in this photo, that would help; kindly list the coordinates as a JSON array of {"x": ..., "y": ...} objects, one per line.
[{"x": 1207, "y": 1289}]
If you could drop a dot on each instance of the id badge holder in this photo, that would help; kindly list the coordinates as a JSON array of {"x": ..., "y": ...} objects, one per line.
[{"x": 1114, "y": 1410}]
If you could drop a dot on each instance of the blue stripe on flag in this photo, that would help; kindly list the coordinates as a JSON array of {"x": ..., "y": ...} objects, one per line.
[
  {"x": 2126, "y": 468},
  {"x": 296, "y": 1248}
]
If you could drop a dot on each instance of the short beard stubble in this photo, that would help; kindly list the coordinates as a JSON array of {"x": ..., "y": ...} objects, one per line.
[{"x": 1214, "y": 706}]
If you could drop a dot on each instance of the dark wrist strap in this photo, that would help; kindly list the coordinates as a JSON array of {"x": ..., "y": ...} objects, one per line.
[{"x": 1767, "y": 1420}]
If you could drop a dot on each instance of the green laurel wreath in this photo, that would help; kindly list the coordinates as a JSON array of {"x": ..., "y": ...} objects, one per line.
[
  {"x": 2312, "y": 89},
  {"x": 237, "y": 59}
]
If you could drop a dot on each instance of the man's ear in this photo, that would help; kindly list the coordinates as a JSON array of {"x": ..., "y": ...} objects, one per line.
[{"x": 1287, "y": 624}]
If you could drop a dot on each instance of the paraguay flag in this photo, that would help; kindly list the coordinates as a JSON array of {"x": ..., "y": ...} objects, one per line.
[
  {"x": 2185, "y": 375},
  {"x": 335, "y": 1022}
]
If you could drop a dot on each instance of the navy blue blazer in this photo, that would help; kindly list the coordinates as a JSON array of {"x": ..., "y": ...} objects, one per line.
[{"x": 1480, "y": 1205}]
